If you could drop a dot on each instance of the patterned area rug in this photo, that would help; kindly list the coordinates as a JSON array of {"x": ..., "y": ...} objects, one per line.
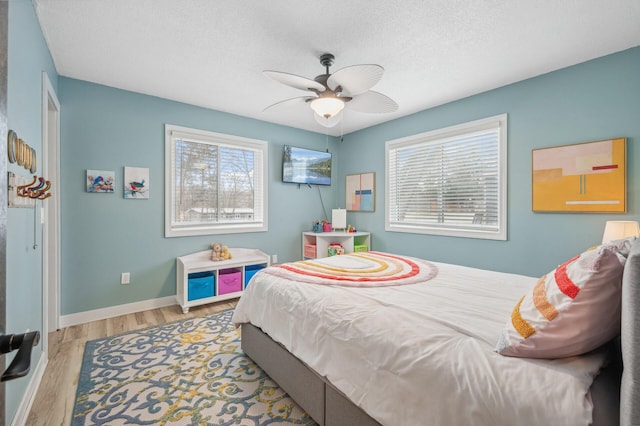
[{"x": 189, "y": 372}]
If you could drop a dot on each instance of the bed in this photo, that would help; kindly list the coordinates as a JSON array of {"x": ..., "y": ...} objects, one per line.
[{"x": 376, "y": 338}]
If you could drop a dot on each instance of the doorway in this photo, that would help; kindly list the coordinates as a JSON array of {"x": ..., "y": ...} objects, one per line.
[{"x": 50, "y": 210}]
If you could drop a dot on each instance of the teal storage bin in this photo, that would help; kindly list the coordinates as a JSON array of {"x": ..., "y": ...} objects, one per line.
[
  {"x": 249, "y": 272},
  {"x": 201, "y": 285}
]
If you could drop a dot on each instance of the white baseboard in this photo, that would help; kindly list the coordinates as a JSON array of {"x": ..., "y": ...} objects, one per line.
[
  {"x": 22, "y": 414},
  {"x": 115, "y": 311}
]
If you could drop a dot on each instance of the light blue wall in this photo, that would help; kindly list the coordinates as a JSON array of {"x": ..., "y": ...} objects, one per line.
[
  {"x": 28, "y": 57},
  {"x": 592, "y": 101},
  {"x": 104, "y": 234},
  {"x": 104, "y": 128}
]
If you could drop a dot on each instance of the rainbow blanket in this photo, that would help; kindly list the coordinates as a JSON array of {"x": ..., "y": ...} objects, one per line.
[{"x": 368, "y": 269}]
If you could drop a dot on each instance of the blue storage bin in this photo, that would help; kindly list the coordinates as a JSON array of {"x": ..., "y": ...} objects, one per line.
[
  {"x": 250, "y": 271},
  {"x": 201, "y": 285}
]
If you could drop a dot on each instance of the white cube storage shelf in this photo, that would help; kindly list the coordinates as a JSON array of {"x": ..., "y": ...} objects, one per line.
[
  {"x": 316, "y": 244},
  {"x": 200, "y": 280}
]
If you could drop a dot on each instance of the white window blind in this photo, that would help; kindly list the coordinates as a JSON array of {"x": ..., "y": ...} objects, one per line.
[
  {"x": 450, "y": 181},
  {"x": 215, "y": 183}
]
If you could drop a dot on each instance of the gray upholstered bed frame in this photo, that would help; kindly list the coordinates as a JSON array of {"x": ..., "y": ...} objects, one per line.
[
  {"x": 615, "y": 392},
  {"x": 312, "y": 392}
]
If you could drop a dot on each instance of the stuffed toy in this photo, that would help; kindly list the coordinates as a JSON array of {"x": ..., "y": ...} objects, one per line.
[
  {"x": 220, "y": 252},
  {"x": 226, "y": 254}
]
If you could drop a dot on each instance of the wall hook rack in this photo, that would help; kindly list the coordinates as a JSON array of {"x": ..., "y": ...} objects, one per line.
[
  {"x": 38, "y": 189},
  {"x": 25, "y": 195}
]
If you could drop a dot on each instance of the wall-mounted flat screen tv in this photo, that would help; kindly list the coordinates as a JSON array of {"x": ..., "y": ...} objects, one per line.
[{"x": 307, "y": 166}]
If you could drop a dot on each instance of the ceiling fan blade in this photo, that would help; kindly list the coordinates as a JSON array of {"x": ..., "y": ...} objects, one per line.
[
  {"x": 356, "y": 79},
  {"x": 372, "y": 102},
  {"x": 295, "y": 81},
  {"x": 293, "y": 102},
  {"x": 328, "y": 122}
]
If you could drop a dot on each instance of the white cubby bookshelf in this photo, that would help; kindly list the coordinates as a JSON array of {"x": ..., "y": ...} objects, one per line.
[
  {"x": 321, "y": 241},
  {"x": 244, "y": 261}
]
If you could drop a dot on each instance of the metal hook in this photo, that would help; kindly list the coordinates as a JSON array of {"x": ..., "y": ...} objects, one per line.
[
  {"x": 40, "y": 194},
  {"x": 39, "y": 186},
  {"x": 21, "y": 188}
]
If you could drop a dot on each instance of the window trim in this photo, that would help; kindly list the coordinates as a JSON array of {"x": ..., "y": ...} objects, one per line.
[
  {"x": 171, "y": 133},
  {"x": 444, "y": 133}
]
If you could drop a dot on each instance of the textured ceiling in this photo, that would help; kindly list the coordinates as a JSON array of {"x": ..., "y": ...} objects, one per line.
[{"x": 212, "y": 53}]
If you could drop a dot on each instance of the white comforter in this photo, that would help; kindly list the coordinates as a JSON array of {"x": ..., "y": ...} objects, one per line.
[{"x": 422, "y": 354}]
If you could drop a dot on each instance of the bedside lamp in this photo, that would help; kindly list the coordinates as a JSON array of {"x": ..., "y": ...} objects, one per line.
[{"x": 618, "y": 229}]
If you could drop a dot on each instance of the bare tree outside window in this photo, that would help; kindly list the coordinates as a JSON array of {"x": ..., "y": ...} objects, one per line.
[{"x": 216, "y": 185}]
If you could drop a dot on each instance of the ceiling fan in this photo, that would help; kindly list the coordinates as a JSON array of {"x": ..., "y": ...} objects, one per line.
[{"x": 331, "y": 93}]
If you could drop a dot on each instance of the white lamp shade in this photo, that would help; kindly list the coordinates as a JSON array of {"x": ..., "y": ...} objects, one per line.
[
  {"x": 327, "y": 107},
  {"x": 328, "y": 122},
  {"x": 618, "y": 229},
  {"x": 339, "y": 218}
]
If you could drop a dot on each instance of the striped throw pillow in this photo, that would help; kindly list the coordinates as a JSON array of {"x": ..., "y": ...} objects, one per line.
[{"x": 572, "y": 310}]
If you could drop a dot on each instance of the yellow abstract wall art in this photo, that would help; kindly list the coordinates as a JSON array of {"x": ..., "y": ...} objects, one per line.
[{"x": 583, "y": 177}]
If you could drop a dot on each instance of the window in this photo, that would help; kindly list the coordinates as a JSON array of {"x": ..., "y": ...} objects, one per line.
[
  {"x": 215, "y": 183},
  {"x": 449, "y": 181}
]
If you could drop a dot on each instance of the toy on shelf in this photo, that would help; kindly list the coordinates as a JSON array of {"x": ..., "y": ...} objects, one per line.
[
  {"x": 220, "y": 252},
  {"x": 351, "y": 228},
  {"x": 335, "y": 249}
]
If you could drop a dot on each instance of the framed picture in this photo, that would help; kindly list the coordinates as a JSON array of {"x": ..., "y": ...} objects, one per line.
[
  {"x": 136, "y": 183},
  {"x": 360, "y": 192},
  {"x": 583, "y": 177},
  {"x": 100, "y": 181}
]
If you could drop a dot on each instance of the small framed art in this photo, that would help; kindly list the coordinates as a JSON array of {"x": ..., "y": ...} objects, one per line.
[
  {"x": 136, "y": 183},
  {"x": 100, "y": 181},
  {"x": 360, "y": 192}
]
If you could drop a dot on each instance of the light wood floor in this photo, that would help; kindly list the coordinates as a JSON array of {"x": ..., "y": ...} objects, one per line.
[{"x": 53, "y": 404}]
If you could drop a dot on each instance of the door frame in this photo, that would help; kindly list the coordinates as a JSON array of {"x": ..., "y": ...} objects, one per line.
[
  {"x": 4, "y": 58},
  {"x": 50, "y": 214}
]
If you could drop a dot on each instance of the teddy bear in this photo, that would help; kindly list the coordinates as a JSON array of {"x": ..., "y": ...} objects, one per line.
[{"x": 220, "y": 252}]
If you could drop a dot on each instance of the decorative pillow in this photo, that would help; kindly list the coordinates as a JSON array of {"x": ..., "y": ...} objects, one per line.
[
  {"x": 572, "y": 310},
  {"x": 623, "y": 246}
]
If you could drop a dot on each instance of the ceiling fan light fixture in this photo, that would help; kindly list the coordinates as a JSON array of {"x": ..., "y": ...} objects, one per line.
[
  {"x": 327, "y": 107},
  {"x": 331, "y": 94},
  {"x": 328, "y": 122}
]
